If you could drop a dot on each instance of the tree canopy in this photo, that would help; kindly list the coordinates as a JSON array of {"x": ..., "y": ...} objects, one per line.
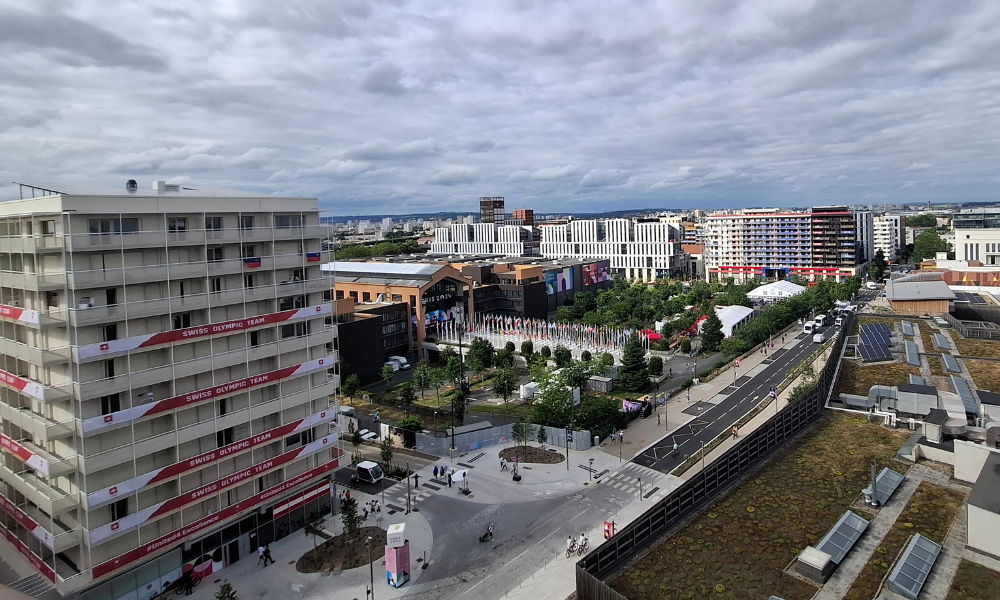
[
  {"x": 928, "y": 244},
  {"x": 633, "y": 374}
]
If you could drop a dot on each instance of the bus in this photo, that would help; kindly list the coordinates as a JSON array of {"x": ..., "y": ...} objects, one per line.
[
  {"x": 808, "y": 327},
  {"x": 820, "y": 320}
]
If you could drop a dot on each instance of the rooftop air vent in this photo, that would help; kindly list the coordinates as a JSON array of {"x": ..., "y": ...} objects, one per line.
[{"x": 131, "y": 185}]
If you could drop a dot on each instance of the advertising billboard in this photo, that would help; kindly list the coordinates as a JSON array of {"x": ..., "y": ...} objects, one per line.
[{"x": 551, "y": 285}]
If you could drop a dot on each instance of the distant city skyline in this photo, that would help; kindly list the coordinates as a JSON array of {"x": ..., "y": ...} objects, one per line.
[{"x": 419, "y": 107}]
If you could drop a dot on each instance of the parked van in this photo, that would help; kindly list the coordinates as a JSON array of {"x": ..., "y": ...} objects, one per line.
[
  {"x": 820, "y": 320},
  {"x": 392, "y": 364},
  {"x": 819, "y": 338},
  {"x": 400, "y": 361},
  {"x": 808, "y": 327},
  {"x": 369, "y": 472}
]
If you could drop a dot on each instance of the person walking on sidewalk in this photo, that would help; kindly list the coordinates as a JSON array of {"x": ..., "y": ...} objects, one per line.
[
  {"x": 503, "y": 464},
  {"x": 736, "y": 431},
  {"x": 621, "y": 437},
  {"x": 449, "y": 480},
  {"x": 267, "y": 555},
  {"x": 657, "y": 419},
  {"x": 260, "y": 555},
  {"x": 435, "y": 472}
]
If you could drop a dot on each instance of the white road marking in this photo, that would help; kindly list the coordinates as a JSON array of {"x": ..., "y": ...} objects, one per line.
[{"x": 516, "y": 557}]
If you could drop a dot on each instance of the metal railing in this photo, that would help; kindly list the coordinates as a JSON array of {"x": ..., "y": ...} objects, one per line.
[{"x": 695, "y": 493}]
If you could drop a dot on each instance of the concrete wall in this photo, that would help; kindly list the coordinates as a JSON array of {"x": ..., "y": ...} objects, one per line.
[
  {"x": 942, "y": 456},
  {"x": 984, "y": 530},
  {"x": 498, "y": 436},
  {"x": 969, "y": 459}
]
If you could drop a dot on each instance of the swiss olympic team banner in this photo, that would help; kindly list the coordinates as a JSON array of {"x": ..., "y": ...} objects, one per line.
[
  {"x": 127, "y": 523},
  {"x": 125, "y": 488},
  {"x": 20, "y": 384},
  {"x": 116, "y": 347},
  {"x": 128, "y": 415},
  {"x": 30, "y": 458},
  {"x": 211, "y": 520},
  {"x": 18, "y": 314},
  {"x": 26, "y": 521}
]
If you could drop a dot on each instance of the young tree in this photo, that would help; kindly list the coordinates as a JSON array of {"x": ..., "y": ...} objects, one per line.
[
  {"x": 422, "y": 377},
  {"x": 527, "y": 349},
  {"x": 686, "y": 345},
  {"x": 733, "y": 346},
  {"x": 438, "y": 377},
  {"x": 520, "y": 433},
  {"x": 385, "y": 451},
  {"x": 542, "y": 437},
  {"x": 356, "y": 441},
  {"x": 655, "y": 365},
  {"x": 226, "y": 592},
  {"x": 503, "y": 358},
  {"x": 351, "y": 386},
  {"x": 481, "y": 349},
  {"x": 586, "y": 356},
  {"x": 607, "y": 359},
  {"x": 633, "y": 374},
  {"x": 576, "y": 375},
  {"x": 546, "y": 353},
  {"x": 458, "y": 406},
  {"x": 553, "y": 404},
  {"x": 475, "y": 365},
  {"x": 563, "y": 356},
  {"x": 711, "y": 333},
  {"x": 505, "y": 384},
  {"x": 388, "y": 374},
  {"x": 407, "y": 396},
  {"x": 453, "y": 369},
  {"x": 314, "y": 526},
  {"x": 410, "y": 424},
  {"x": 349, "y": 516}
]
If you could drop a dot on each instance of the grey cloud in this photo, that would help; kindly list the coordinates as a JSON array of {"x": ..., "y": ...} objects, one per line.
[
  {"x": 604, "y": 177},
  {"x": 71, "y": 41},
  {"x": 29, "y": 120},
  {"x": 383, "y": 149},
  {"x": 454, "y": 175},
  {"x": 383, "y": 78}
]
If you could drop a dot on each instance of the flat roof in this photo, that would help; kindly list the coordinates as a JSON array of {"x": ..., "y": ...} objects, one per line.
[
  {"x": 186, "y": 190},
  {"x": 382, "y": 268},
  {"x": 986, "y": 492},
  {"x": 918, "y": 290}
]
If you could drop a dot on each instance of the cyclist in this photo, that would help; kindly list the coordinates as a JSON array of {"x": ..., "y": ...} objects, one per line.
[
  {"x": 583, "y": 541},
  {"x": 570, "y": 544},
  {"x": 675, "y": 449}
]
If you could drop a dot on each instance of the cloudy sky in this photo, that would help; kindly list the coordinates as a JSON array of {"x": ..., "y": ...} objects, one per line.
[{"x": 397, "y": 106}]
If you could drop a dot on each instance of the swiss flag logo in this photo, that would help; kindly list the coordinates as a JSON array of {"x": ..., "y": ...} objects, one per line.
[
  {"x": 319, "y": 308},
  {"x": 321, "y": 360},
  {"x": 324, "y": 440},
  {"x": 105, "y": 347},
  {"x": 322, "y": 415},
  {"x": 115, "y": 526},
  {"x": 109, "y": 418},
  {"x": 113, "y": 490}
]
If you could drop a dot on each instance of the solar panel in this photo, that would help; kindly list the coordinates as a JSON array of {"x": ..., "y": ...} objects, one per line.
[
  {"x": 874, "y": 353},
  {"x": 910, "y": 573},
  {"x": 912, "y": 354},
  {"x": 951, "y": 363},
  {"x": 885, "y": 484},
  {"x": 916, "y": 379},
  {"x": 941, "y": 342},
  {"x": 907, "y": 328},
  {"x": 965, "y": 393},
  {"x": 839, "y": 540}
]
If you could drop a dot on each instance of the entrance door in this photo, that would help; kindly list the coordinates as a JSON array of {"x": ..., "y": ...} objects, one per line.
[{"x": 233, "y": 551}]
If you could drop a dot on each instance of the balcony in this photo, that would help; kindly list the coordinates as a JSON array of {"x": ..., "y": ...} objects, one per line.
[
  {"x": 31, "y": 244},
  {"x": 36, "y": 356},
  {"x": 39, "y": 426},
  {"x": 58, "y": 467},
  {"x": 35, "y": 282},
  {"x": 39, "y": 492}
]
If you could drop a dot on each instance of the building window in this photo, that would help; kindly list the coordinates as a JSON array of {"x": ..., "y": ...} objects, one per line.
[
  {"x": 110, "y": 404},
  {"x": 246, "y": 222},
  {"x": 175, "y": 224},
  {"x": 254, "y": 339},
  {"x": 340, "y": 294},
  {"x": 354, "y": 295},
  {"x": 249, "y": 251},
  {"x": 48, "y": 228},
  {"x": 113, "y": 225},
  {"x": 119, "y": 509},
  {"x": 397, "y": 297},
  {"x": 213, "y": 253},
  {"x": 111, "y": 295},
  {"x": 293, "y": 440},
  {"x": 216, "y": 284},
  {"x": 111, "y": 332},
  {"x": 287, "y": 221},
  {"x": 213, "y": 223},
  {"x": 109, "y": 368},
  {"x": 52, "y": 299},
  {"x": 293, "y": 330},
  {"x": 223, "y": 405},
  {"x": 182, "y": 321},
  {"x": 248, "y": 280},
  {"x": 224, "y": 437},
  {"x": 367, "y": 296}
]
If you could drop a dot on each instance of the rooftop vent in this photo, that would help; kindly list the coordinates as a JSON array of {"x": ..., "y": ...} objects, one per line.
[
  {"x": 163, "y": 186},
  {"x": 131, "y": 185}
]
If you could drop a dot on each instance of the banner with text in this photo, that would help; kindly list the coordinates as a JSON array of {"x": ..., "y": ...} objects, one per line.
[
  {"x": 204, "y": 523},
  {"x": 128, "y": 415},
  {"x": 121, "y": 346},
  {"x": 120, "y": 490},
  {"x": 18, "y": 314},
  {"x": 24, "y": 520},
  {"x": 127, "y": 523},
  {"x": 34, "y": 461},
  {"x": 20, "y": 384}
]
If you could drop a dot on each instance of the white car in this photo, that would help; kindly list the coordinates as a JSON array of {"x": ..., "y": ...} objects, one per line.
[
  {"x": 819, "y": 338},
  {"x": 403, "y": 364}
]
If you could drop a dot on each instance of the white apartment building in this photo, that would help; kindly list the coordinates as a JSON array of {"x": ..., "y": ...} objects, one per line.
[
  {"x": 483, "y": 238},
  {"x": 864, "y": 227},
  {"x": 638, "y": 249},
  {"x": 166, "y": 379},
  {"x": 977, "y": 235},
  {"x": 888, "y": 234}
]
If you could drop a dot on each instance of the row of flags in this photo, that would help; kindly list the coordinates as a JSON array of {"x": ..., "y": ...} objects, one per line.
[{"x": 574, "y": 334}]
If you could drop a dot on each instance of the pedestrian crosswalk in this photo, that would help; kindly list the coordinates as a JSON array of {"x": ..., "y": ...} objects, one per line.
[{"x": 631, "y": 477}]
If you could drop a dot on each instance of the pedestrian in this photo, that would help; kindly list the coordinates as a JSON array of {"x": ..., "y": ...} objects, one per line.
[
  {"x": 347, "y": 494},
  {"x": 435, "y": 472},
  {"x": 614, "y": 432},
  {"x": 260, "y": 555},
  {"x": 736, "y": 431},
  {"x": 444, "y": 469},
  {"x": 503, "y": 464},
  {"x": 449, "y": 479},
  {"x": 188, "y": 582},
  {"x": 416, "y": 480},
  {"x": 365, "y": 518},
  {"x": 267, "y": 555},
  {"x": 657, "y": 419},
  {"x": 621, "y": 437},
  {"x": 378, "y": 507}
]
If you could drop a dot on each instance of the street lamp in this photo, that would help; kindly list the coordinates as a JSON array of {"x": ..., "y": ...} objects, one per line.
[
  {"x": 371, "y": 566},
  {"x": 591, "y": 473},
  {"x": 435, "y": 423},
  {"x": 703, "y": 456}
]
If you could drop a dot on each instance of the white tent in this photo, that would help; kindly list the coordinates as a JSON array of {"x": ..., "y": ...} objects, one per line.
[
  {"x": 732, "y": 317},
  {"x": 775, "y": 291}
]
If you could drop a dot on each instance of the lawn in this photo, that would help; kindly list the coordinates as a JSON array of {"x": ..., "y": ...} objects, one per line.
[
  {"x": 739, "y": 547},
  {"x": 856, "y": 378},
  {"x": 930, "y": 512},
  {"x": 985, "y": 373},
  {"x": 974, "y": 582}
]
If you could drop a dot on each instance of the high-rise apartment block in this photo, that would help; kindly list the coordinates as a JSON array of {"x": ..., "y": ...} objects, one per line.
[
  {"x": 526, "y": 216},
  {"x": 638, "y": 249},
  {"x": 491, "y": 210},
  {"x": 888, "y": 234},
  {"x": 771, "y": 243},
  {"x": 484, "y": 238},
  {"x": 166, "y": 375}
]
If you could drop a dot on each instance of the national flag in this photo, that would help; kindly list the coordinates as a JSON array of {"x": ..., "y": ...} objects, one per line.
[
  {"x": 312, "y": 257},
  {"x": 252, "y": 263},
  {"x": 737, "y": 362}
]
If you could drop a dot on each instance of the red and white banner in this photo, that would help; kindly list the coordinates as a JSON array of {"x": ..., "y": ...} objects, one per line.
[
  {"x": 118, "y": 347},
  {"x": 125, "y": 488},
  {"x": 30, "y": 556},
  {"x": 26, "y": 521},
  {"x": 25, "y": 386},
  {"x": 161, "y": 509},
  {"x": 128, "y": 415},
  {"x": 34, "y": 461},
  {"x": 296, "y": 501},
  {"x": 18, "y": 314},
  {"x": 202, "y": 524}
]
